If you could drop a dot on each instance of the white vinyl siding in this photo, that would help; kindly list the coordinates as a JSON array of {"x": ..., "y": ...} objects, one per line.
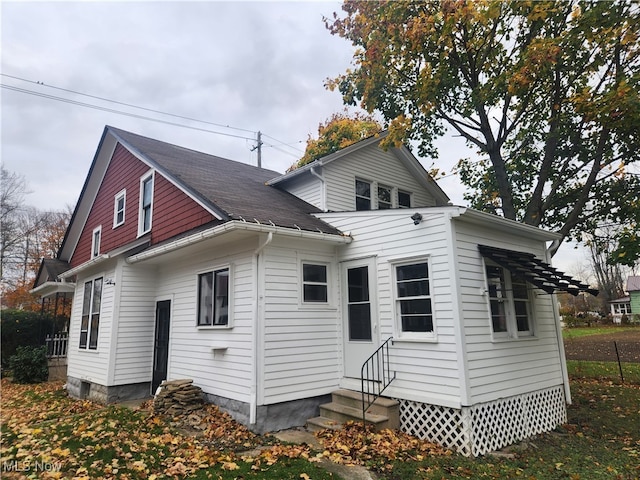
[
  {"x": 309, "y": 188},
  {"x": 302, "y": 344},
  {"x": 500, "y": 368},
  {"x": 135, "y": 324},
  {"x": 226, "y": 372},
  {"x": 382, "y": 169},
  {"x": 88, "y": 364},
  {"x": 427, "y": 369}
]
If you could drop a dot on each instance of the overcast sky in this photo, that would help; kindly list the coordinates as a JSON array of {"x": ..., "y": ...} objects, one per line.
[{"x": 248, "y": 65}]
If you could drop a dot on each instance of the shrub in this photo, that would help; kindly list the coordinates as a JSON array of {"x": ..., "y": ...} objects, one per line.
[
  {"x": 24, "y": 328},
  {"x": 29, "y": 365}
]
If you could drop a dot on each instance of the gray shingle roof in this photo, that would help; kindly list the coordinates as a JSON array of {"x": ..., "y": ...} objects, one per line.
[{"x": 234, "y": 190}]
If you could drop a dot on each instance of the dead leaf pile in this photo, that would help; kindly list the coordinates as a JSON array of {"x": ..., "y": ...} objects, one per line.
[{"x": 354, "y": 444}]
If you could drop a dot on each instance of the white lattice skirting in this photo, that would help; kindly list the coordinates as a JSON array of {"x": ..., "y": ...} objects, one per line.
[{"x": 485, "y": 427}]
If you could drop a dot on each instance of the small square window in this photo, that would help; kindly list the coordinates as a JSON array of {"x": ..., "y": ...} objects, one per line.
[
  {"x": 404, "y": 200},
  {"x": 314, "y": 283}
]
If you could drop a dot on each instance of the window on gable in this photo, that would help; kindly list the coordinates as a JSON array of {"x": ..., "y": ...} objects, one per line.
[
  {"x": 95, "y": 241},
  {"x": 90, "y": 321},
  {"x": 413, "y": 297},
  {"x": 146, "y": 204},
  {"x": 363, "y": 195},
  {"x": 118, "y": 208},
  {"x": 404, "y": 199},
  {"x": 509, "y": 303},
  {"x": 314, "y": 283},
  {"x": 384, "y": 197},
  {"x": 213, "y": 298}
]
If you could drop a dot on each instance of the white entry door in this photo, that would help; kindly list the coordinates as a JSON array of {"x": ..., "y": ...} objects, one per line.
[{"x": 360, "y": 314}]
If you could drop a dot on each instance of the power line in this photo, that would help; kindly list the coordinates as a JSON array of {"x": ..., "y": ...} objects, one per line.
[
  {"x": 119, "y": 112},
  {"x": 125, "y": 104}
]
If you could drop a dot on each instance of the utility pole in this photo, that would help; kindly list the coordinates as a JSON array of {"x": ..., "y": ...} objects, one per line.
[{"x": 259, "y": 148}]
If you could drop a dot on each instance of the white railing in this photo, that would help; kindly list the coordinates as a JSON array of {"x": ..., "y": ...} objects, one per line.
[{"x": 57, "y": 345}]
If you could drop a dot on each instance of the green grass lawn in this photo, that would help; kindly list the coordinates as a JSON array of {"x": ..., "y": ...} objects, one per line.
[
  {"x": 45, "y": 434},
  {"x": 575, "y": 332}
]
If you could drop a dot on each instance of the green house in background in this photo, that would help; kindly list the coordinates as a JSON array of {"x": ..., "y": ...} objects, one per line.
[
  {"x": 633, "y": 287},
  {"x": 628, "y": 306}
]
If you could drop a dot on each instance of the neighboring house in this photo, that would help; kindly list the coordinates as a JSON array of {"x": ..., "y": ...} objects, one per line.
[
  {"x": 633, "y": 288},
  {"x": 628, "y": 306},
  {"x": 270, "y": 291},
  {"x": 620, "y": 307}
]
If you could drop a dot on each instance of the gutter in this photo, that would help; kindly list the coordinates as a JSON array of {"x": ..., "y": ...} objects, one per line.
[
  {"x": 235, "y": 225},
  {"x": 257, "y": 333}
]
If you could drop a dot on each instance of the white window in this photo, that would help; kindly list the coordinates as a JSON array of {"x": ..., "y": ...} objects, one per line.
[
  {"x": 363, "y": 195},
  {"x": 384, "y": 197},
  {"x": 146, "y": 204},
  {"x": 119, "y": 204},
  {"x": 414, "y": 309},
  {"x": 91, "y": 314},
  {"x": 404, "y": 199},
  {"x": 622, "y": 308},
  {"x": 509, "y": 303},
  {"x": 95, "y": 241},
  {"x": 213, "y": 298},
  {"x": 314, "y": 283}
]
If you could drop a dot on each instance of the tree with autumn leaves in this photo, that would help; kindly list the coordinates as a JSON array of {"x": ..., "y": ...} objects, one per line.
[
  {"x": 27, "y": 235},
  {"x": 546, "y": 92}
]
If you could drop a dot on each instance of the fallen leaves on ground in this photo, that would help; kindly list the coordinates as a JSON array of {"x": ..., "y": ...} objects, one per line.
[{"x": 355, "y": 444}]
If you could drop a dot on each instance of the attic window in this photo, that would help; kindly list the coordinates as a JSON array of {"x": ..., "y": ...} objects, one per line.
[
  {"x": 118, "y": 208},
  {"x": 404, "y": 199},
  {"x": 384, "y": 197},
  {"x": 363, "y": 195},
  {"x": 95, "y": 241},
  {"x": 146, "y": 204}
]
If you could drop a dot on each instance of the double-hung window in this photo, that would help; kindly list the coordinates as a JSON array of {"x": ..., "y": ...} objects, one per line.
[
  {"x": 90, "y": 321},
  {"x": 509, "y": 303},
  {"x": 213, "y": 298},
  {"x": 146, "y": 204},
  {"x": 314, "y": 283},
  {"x": 413, "y": 299},
  {"x": 119, "y": 204},
  {"x": 363, "y": 195}
]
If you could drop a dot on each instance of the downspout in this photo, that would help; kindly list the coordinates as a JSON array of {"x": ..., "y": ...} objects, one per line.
[
  {"x": 554, "y": 302},
  {"x": 253, "y": 405},
  {"x": 323, "y": 196}
]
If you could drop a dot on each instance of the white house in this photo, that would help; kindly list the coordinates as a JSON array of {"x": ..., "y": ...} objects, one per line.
[{"x": 271, "y": 291}]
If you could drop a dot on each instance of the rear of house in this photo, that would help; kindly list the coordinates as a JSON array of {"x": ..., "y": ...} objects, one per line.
[{"x": 271, "y": 291}]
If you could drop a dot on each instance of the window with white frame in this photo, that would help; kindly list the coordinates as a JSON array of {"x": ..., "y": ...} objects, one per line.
[
  {"x": 119, "y": 204},
  {"x": 146, "y": 204},
  {"x": 622, "y": 308},
  {"x": 95, "y": 241},
  {"x": 509, "y": 303},
  {"x": 413, "y": 298},
  {"x": 314, "y": 283},
  {"x": 404, "y": 199},
  {"x": 213, "y": 298},
  {"x": 90, "y": 320},
  {"x": 384, "y": 197},
  {"x": 363, "y": 195}
]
